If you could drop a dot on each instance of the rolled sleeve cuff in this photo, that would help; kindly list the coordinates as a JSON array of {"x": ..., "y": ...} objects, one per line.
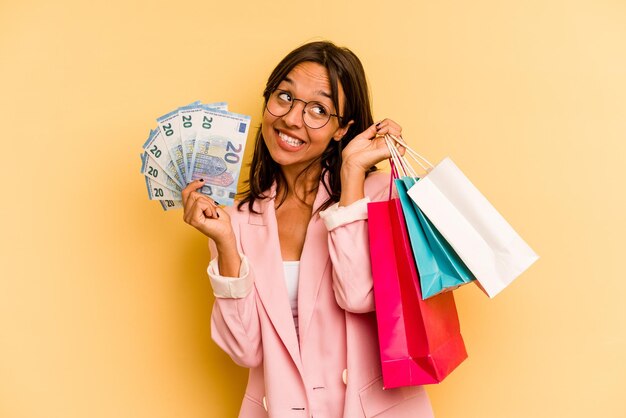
[
  {"x": 231, "y": 287},
  {"x": 336, "y": 216}
]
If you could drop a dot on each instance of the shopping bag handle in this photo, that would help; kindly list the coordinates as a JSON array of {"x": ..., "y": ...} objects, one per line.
[
  {"x": 394, "y": 175},
  {"x": 399, "y": 162},
  {"x": 395, "y": 164},
  {"x": 412, "y": 153},
  {"x": 400, "y": 166}
]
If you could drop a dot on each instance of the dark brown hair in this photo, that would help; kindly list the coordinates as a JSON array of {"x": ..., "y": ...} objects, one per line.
[{"x": 343, "y": 67}]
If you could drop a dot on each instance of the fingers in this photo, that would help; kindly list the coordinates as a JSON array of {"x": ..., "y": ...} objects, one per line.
[
  {"x": 210, "y": 210},
  {"x": 191, "y": 187},
  {"x": 388, "y": 126},
  {"x": 199, "y": 208},
  {"x": 382, "y": 128},
  {"x": 191, "y": 198}
]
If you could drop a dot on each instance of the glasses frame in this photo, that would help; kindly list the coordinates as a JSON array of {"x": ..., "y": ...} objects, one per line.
[{"x": 293, "y": 102}]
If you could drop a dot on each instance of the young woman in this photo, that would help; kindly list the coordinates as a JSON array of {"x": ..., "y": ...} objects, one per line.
[{"x": 291, "y": 271}]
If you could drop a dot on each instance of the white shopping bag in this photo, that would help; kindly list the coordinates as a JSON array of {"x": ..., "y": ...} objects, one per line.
[{"x": 481, "y": 237}]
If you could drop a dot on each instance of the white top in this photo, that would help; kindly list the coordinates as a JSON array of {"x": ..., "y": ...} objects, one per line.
[
  {"x": 241, "y": 285},
  {"x": 292, "y": 272}
]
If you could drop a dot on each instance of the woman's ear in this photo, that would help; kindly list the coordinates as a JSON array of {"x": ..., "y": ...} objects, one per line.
[{"x": 340, "y": 132}]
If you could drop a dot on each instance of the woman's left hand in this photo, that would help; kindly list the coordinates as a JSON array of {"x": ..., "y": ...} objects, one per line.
[{"x": 369, "y": 147}]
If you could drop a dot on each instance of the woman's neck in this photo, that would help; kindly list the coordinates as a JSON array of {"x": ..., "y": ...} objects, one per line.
[{"x": 302, "y": 185}]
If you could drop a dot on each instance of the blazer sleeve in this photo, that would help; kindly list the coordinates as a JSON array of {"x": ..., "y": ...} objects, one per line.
[
  {"x": 348, "y": 245},
  {"x": 235, "y": 325}
]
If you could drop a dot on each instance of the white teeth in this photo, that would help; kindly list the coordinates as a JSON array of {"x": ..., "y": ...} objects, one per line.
[{"x": 291, "y": 141}]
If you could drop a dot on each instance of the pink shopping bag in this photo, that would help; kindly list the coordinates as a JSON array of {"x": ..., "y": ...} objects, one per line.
[{"x": 420, "y": 340}]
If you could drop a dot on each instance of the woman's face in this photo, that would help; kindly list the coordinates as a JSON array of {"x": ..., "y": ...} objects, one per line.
[{"x": 291, "y": 143}]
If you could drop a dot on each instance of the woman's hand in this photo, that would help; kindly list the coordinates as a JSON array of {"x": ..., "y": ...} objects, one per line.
[
  {"x": 364, "y": 151},
  {"x": 369, "y": 147},
  {"x": 203, "y": 213},
  {"x": 206, "y": 216}
]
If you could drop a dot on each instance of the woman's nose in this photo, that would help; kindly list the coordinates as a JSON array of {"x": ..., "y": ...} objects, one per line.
[{"x": 295, "y": 116}]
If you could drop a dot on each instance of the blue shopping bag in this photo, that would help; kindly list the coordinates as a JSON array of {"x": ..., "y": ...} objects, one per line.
[{"x": 440, "y": 268}]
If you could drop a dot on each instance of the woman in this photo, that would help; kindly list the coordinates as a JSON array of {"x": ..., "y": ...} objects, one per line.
[{"x": 291, "y": 275}]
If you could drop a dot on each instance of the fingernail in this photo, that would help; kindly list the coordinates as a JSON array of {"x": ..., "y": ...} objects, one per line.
[
  {"x": 377, "y": 124},
  {"x": 202, "y": 180},
  {"x": 216, "y": 202}
]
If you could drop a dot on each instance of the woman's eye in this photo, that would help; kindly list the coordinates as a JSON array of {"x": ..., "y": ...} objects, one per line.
[
  {"x": 284, "y": 96},
  {"x": 318, "y": 109}
]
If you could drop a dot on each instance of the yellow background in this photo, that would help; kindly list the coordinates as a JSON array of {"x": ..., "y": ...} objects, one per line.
[{"x": 104, "y": 302}]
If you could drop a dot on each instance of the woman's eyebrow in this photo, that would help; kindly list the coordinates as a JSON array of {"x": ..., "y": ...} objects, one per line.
[
  {"x": 319, "y": 92},
  {"x": 323, "y": 93}
]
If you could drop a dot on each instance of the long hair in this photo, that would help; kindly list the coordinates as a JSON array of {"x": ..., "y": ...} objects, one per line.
[{"x": 344, "y": 68}]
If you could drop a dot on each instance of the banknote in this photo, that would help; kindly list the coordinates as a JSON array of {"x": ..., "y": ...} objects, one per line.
[
  {"x": 190, "y": 120},
  {"x": 151, "y": 169},
  {"x": 157, "y": 191},
  {"x": 218, "y": 153},
  {"x": 197, "y": 141},
  {"x": 171, "y": 204},
  {"x": 155, "y": 146},
  {"x": 169, "y": 125}
]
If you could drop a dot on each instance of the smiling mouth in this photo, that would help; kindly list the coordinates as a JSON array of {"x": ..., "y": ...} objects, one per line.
[{"x": 294, "y": 142}]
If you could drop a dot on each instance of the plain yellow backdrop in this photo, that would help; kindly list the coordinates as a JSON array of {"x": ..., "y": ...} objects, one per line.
[{"x": 104, "y": 300}]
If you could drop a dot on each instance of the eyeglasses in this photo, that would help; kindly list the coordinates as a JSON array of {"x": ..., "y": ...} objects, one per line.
[{"x": 314, "y": 114}]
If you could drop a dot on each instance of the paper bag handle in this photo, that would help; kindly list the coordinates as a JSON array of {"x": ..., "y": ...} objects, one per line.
[{"x": 412, "y": 153}]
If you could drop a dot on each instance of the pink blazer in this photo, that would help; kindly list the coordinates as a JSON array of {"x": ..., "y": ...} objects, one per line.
[{"x": 333, "y": 370}]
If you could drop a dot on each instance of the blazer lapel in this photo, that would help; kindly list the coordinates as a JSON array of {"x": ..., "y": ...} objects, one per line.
[
  {"x": 314, "y": 261},
  {"x": 259, "y": 241}
]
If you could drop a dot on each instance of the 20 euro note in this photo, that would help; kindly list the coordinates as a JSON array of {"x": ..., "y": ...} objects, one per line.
[
  {"x": 157, "y": 149},
  {"x": 171, "y": 204},
  {"x": 169, "y": 125},
  {"x": 157, "y": 191},
  {"x": 150, "y": 168},
  {"x": 218, "y": 154},
  {"x": 191, "y": 117}
]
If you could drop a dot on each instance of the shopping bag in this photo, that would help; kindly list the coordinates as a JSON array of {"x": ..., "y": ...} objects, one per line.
[
  {"x": 481, "y": 237},
  {"x": 440, "y": 268},
  {"x": 420, "y": 340}
]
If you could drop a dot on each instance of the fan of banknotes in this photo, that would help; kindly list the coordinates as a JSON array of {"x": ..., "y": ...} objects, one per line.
[{"x": 197, "y": 141}]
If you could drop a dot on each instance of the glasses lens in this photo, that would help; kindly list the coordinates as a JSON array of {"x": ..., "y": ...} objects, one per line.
[
  {"x": 279, "y": 103},
  {"x": 316, "y": 115}
]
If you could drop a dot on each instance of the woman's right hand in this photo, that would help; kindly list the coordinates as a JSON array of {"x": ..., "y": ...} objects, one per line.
[{"x": 203, "y": 213}]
